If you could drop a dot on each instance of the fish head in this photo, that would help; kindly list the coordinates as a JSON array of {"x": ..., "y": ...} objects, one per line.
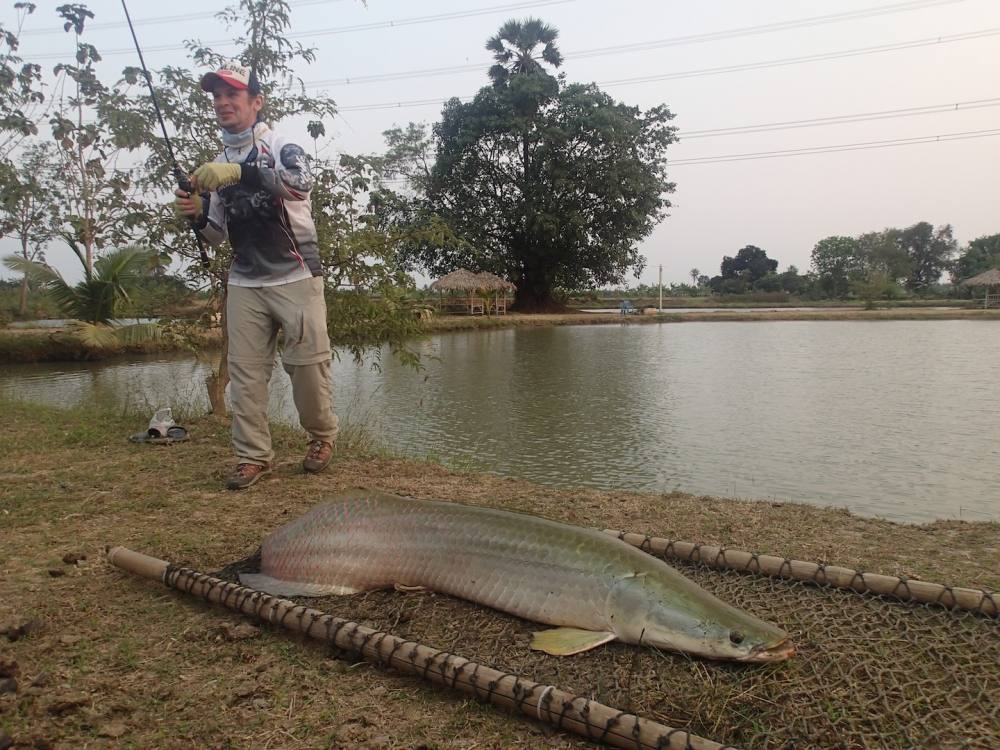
[{"x": 650, "y": 612}]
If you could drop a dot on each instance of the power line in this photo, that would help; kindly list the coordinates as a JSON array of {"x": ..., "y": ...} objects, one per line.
[
  {"x": 347, "y": 29},
  {"x": 809, "y": 58},
  {"x": 183, "y": 17},
  {"x": 710, "y": 36},
  {"x": 863, "y": 146},
  {"x": 781, "y": 62},
  {"x": 887, "y": 114}
]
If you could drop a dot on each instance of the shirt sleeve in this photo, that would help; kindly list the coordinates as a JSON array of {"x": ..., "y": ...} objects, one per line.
[
  {"x": 214, "y": 227},
  {"x": 289, "y": 179}
]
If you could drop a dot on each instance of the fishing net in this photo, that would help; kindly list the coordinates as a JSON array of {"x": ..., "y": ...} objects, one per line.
[{"x": 870, "y": 672}]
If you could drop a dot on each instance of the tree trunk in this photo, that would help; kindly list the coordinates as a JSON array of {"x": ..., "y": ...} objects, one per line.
[
  {"x": 534, "y": 295},
  {"x": 24, "y": 282},
  {"x": 219, "y": 379}
]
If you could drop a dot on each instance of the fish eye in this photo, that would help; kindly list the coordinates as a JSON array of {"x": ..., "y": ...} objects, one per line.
[{"x": 736, "y": 637}]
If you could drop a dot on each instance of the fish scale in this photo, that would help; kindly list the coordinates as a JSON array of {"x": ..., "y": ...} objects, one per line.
[{"x": 535, "y": 568}]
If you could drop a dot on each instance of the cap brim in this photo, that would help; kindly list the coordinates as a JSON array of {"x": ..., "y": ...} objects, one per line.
[{"x": 209, "y": 80}]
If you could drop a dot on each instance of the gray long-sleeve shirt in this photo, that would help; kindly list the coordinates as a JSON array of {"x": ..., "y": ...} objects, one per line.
[{"x": 267, "y": 215}]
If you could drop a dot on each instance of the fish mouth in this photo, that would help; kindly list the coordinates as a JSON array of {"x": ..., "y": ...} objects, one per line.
[{"x": 780, "y": 651}]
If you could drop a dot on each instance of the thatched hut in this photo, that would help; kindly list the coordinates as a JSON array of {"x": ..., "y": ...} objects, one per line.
[
  {"x": 464, "y": 287},
  {"x": 473, "y": 293},
  {"x": 500, "y": 287},
  {"x": 991, "y": 281}
]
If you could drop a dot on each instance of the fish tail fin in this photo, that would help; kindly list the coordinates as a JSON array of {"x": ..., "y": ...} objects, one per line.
[{"x": 278, "y": 587}]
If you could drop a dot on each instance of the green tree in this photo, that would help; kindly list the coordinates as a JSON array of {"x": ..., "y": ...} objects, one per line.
[
  {"x": 750, "y": 264},
  {"x": 97, "y": 300},
  {"x": 982, "y": 254},
  {"x": 98, "y": 197},
  {"x": 930, "y": 252},
  {"x": 549, "y": 185},
  {"x": 513, "y": 48},
  {"x": 835, "y": 263},
  {"x": 881, "y": 254},
  {"x": 26, "y": 208},
  {"x": 20, "y": 93}
]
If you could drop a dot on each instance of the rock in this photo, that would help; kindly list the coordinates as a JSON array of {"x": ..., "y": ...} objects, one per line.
[
  {"x": 72, "y": 558},
  {"x": 240, "y": 632},
  {"x": 42, "y": 680},
  {"x": 8, "y": 685},
  {"x": 69, "y": 640},
  {"x": 378, "y": 691},
  {"x": 56, "y": 572},
  {"x": 67, "y": 703},
  {"x": 113, "y": 729},
  {"x": 5, "y": 740},
  {"x": 9, "y": 668},
  {"x": 15, "y": 632},
  {"x": 241, "y": 692},
  {"x": 381, "y": 741}
]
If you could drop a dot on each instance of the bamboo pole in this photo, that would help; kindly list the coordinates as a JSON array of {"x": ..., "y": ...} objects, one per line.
[
  {"x": 546, "y": 703},
  {"x": 907, "y": 589}
]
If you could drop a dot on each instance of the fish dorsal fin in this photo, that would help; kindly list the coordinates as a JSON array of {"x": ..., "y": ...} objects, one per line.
[{"x": 568, "y": 641}]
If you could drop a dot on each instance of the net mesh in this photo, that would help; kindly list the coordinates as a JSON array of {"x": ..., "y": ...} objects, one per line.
[{"x": 870, "y": 672}]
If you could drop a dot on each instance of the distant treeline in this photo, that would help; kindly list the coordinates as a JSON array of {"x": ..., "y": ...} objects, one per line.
[{"x": 888, "y": 264}]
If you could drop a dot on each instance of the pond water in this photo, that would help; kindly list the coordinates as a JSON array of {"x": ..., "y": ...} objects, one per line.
[{"x": 899, "y": 419}]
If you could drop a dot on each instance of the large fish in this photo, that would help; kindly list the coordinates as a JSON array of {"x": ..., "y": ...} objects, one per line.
[{"x": 594, "y": 586}]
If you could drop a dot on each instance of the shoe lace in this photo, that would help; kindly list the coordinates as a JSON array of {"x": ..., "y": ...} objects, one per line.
[
  {"x": 316, "y": 449},
  {"x": 244, "y": 470}
]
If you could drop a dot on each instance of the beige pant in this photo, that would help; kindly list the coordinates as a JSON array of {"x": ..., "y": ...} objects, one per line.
[{"x": 253, "y": 316}]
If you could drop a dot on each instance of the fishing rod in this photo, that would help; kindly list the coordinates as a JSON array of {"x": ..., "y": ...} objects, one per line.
[{"x": 182, "y": 179}]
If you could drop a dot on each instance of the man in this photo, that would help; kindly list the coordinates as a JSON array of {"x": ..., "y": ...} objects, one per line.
[{"x": 256, "y": 195}]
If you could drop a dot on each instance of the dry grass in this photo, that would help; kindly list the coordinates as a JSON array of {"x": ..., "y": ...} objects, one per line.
[{"x": 120, "y": 662}]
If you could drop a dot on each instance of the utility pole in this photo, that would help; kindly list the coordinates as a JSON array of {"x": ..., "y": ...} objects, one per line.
[{"x": 661, "y": 289}]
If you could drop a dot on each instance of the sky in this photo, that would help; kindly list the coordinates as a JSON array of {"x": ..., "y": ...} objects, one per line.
[{"x": 717, "y": 64}]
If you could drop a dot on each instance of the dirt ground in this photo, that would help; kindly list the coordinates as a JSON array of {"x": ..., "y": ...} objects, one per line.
[{"x": 95, "y": 658}]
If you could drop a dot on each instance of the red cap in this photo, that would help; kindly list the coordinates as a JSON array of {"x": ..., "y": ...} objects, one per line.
[{"x": 232, "y": 73}]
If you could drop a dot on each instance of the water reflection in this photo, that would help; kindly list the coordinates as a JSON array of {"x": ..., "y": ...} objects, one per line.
[{"x": 891, "y": 418}]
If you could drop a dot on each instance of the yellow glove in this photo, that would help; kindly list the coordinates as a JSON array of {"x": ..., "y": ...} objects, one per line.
[{"x": 214, "y": 175}]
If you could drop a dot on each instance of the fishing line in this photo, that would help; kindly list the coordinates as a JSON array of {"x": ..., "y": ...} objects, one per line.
[{"x": 182, "y": 179}]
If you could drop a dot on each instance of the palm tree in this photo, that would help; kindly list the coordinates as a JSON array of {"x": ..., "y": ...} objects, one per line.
[
  {"x": 94, "y": 302},
  {"x": 513, "y": 49}
]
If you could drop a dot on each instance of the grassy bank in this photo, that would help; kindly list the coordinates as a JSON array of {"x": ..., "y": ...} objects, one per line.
[
  {"x": 57, "y": 345},
  {"x": 465, "y": 322},
  {"x": 120, "y": 662}
]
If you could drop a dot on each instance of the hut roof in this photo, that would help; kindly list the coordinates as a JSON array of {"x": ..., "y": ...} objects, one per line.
[
  {"x": 986, "y": 278},
  {"x": 491, "y": 281},
  {"x": 461, "y": 279}
]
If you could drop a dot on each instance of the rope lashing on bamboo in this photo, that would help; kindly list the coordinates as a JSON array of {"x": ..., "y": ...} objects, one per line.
[
  {"x": 547, "y": 703},
  {"x": 980, "y": 601}
]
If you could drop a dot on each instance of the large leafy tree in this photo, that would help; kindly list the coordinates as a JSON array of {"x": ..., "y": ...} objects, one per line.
[
  {"x": 929, "y": 250},
  {"x": 982, "y": 254},
  {"x": 547, "y": 184},
  {"x": 835, "y": 263},
  {"x": 750, "y": 263}
]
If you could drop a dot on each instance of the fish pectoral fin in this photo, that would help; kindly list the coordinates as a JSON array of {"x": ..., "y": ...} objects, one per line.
[
  {"x": 278, "y": 587},
  {"x": 404, "y": 589},
  {"x": 568, "y": 641}
]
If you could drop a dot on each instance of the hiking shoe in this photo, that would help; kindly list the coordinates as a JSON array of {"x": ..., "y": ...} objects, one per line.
[
  {"x": 246, "y": 475},
  {"x": 318, "y": 456}
]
